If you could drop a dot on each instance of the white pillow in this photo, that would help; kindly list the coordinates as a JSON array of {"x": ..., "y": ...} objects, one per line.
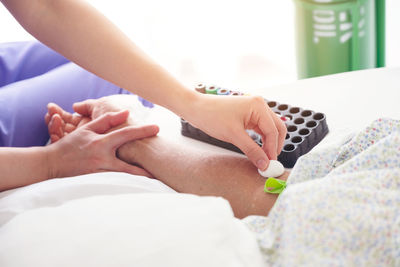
[{"x": 129, "y": 230}]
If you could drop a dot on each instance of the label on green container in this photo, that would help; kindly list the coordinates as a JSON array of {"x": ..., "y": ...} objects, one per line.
[{"x": 335, "y": 36}]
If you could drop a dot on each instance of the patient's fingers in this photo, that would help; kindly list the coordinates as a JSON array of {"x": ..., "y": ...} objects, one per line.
[
  {"x": 54, "y": 138},
  {"x": 70, "y": 121},
  {"x": 69, "y": 127},
  {"x": 84, "y": 108},
  {"x": 55, "y": 128},
  {"x": 56, "y": 109}
]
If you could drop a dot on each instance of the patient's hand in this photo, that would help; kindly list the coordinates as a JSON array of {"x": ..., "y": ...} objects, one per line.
[
  {"x": 60, "y": 122},
  {"x": 94, "y": 108},
  {"x": 63, "y": 124}
]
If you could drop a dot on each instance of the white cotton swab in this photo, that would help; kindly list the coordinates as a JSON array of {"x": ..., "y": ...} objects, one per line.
[{"x": 275, "y": 169}]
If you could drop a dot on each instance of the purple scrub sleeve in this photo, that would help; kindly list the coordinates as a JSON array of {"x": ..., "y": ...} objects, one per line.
[
  {"x": 24, "y": 60},
  {"x": 31, "y": 76}
]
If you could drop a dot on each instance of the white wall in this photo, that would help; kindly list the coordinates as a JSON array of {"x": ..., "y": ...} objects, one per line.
[{"x": 231, "y": 43}]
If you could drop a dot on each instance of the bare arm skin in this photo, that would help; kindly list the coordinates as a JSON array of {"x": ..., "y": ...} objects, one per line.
[{"x": 188, "y": 170}]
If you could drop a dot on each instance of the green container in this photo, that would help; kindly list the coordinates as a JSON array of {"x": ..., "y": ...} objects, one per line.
[{"x": 339, "y": 35}]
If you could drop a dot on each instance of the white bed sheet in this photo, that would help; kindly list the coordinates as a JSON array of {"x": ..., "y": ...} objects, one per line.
[
  {"x": 55, "y": 192},
  {"x": 114, "y": 219}
]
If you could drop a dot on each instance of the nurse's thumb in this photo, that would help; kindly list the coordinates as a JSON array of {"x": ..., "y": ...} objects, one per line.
[{"x": 253, "y": 151}]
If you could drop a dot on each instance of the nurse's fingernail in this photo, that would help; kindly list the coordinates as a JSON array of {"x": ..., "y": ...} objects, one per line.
[{"x": 261, "y": 164}]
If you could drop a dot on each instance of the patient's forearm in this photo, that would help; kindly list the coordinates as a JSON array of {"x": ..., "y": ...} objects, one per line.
[{"x": 204, "y": 173}]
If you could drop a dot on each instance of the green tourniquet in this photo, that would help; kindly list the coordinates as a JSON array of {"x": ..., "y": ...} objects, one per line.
[{"x": 274, "y": 186}]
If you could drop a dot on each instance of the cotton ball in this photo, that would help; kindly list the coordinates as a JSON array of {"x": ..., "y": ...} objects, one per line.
[{"x": 274, "y": 169}]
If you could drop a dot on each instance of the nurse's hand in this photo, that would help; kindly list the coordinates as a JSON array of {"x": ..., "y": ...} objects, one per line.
[
  {"x": 90, "y": 148},
  {"x": 227, "y": 118}
]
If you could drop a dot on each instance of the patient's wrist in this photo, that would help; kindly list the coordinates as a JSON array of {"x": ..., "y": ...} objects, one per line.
[{"x": 128, "y": 152}]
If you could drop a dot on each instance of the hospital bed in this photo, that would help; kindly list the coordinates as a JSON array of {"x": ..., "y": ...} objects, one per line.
[{"x": 115, "y": 219}]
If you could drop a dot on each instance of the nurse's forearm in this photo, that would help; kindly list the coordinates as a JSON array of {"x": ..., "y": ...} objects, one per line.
[
  {"x": 85, "y": 36},
  {"x": 22, "y": 166}
]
